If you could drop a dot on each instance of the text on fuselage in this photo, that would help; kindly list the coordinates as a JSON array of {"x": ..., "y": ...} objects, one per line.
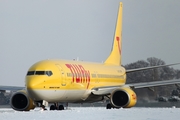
[{"x": 79, "y": 74}]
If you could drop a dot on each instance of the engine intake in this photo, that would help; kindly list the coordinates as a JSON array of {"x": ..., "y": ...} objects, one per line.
[
  {"x": 21, "y": 102},
  {"x": 124, "y": 97}
]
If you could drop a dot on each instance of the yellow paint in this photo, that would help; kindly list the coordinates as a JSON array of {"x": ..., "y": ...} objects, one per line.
[{"x": 100, "y": 75}]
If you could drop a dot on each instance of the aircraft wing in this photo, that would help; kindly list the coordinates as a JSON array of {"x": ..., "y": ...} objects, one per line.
[
  {"x": 109, "y": 89},
  {"x": 151, "y": 67},
  {"x": 14, "y": 88},
  {"x": 154, "y": 83},
  {"x": 104, "y": 90}
]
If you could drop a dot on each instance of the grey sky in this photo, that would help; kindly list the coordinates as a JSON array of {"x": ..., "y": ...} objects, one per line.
[{"x": 34, "y": 30}]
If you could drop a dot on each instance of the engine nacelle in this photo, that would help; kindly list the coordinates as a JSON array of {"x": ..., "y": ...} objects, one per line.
[
  {"x": 21, "y": 102},
  {"x": 124, "y": 97}
]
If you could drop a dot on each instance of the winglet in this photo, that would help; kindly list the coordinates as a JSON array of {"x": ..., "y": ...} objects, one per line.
[{"x": 115, "y": 55}]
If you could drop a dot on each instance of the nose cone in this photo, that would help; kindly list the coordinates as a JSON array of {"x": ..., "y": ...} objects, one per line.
[{"x": 33, "y": 85}]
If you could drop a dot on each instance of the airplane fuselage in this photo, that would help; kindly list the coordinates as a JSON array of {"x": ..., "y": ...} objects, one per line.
[{"x": 70, "y": 81}]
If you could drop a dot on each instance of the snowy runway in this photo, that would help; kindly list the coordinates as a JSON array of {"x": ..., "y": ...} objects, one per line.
[{"x": 93, "y": 113}]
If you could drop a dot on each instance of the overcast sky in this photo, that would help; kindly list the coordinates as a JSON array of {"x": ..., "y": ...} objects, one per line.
[{"x": 33, "y": 30}]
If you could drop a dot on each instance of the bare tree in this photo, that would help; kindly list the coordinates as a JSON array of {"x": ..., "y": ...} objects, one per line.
[{"x": 164, "y": 73}]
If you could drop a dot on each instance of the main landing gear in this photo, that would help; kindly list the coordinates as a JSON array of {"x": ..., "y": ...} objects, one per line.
[
  {"x": 108, "y": 106},
  {"x": 56, "y": 107}
]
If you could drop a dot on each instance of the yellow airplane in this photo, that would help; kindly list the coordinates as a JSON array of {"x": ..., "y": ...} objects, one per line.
[{"x": 71, "y": 81}]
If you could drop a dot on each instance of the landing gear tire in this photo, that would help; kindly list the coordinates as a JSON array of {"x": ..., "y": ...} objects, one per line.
[
  {"x": 52, "y": 107},
  {"x": 43, "y": 107},
  {"x": 61, "y": 107},
  {"x": 108, "y": 106}
]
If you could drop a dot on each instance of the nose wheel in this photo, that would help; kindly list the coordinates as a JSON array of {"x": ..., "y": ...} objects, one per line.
[{"x": 43, "y": 107}]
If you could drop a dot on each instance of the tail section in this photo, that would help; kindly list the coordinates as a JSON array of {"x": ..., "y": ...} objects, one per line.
[{"x": 115, "y": 55}]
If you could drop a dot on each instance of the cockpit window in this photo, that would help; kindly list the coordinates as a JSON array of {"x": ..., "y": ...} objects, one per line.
[
  {"x": 30, "y": 73},
  {"x": 40, "y": 73},
  {"x": 48, "y": 73}
]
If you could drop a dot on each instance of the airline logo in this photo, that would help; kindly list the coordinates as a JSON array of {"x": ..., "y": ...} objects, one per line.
[
  {"x": 118, "y": 40},
  {"x": 79, "y": 74}
]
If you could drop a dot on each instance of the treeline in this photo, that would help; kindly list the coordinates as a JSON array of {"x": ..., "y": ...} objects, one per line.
[{"x": 163, "y": 73}]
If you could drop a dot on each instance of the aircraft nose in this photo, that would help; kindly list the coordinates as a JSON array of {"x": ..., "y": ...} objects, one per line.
[{"x": 33, "y": 83}]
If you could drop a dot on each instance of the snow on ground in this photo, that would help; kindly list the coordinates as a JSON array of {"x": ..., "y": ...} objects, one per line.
[{"x": 93, "y": 113}]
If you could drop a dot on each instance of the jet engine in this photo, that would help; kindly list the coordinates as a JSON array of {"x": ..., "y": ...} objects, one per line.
[
  {"x": 124, "y": 97},
  {"x": 21, "y": 102}
]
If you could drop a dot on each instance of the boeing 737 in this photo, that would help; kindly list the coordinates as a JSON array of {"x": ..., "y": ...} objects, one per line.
[{"x": 71, "y": 81}]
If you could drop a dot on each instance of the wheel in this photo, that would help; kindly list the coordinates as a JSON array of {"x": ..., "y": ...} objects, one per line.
[
  {"x": 52, "y": 107},
  {"x": 61, "y": 107},
  {"x": 108, "y": 106}
]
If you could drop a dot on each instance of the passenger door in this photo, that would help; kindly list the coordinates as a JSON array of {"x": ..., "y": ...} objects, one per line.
[{"x": 62, "y": 75}]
